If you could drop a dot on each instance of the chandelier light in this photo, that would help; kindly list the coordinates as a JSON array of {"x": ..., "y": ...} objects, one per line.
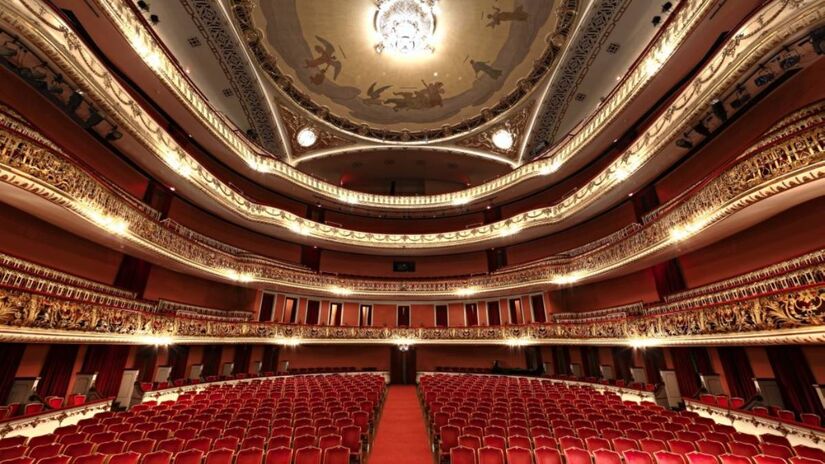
[{"x": 405, "y": 27}]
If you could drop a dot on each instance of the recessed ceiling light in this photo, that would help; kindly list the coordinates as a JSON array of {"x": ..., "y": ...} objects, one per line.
[
  {"x": 307, "y": 137},
  {"x": 503, "y": 139}
]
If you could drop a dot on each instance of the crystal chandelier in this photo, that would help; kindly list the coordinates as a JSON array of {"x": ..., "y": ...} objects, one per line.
[{"x": 405, "y": 27}]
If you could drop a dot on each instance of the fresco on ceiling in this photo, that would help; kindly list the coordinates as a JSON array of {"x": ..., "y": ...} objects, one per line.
[{"x": 482, "y": 49}]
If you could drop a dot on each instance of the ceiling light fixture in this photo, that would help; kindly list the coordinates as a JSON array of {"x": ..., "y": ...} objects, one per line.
[
  {"x": 307, "y": 137},
  {"x": 503, "y": 139},
  {"x": 405, "y": 27}
]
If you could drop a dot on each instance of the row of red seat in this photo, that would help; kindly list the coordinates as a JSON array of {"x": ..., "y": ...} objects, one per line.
[
  {"x": 476, "y": 412},
  {"x": 327, "y": 416},
  {"x": 15, "y": 410}
]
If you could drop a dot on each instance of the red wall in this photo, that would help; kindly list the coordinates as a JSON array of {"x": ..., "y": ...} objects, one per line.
[
  {"x": 573, "y": 237},
  {"x": 788, "y": 234},
  {"x": 52, "y": 123},
  {"x": 335, "y": 262},
  {"x": 801, "y": 90},
  {"x": 630, "y": 288},
  {"x": 428, "y": 357},
  {"x": 357, "y": 356},
  {"x": 34, "y": 240},
  {"x": 170, "y": 285},
  {"x": 217, "y": 228}
]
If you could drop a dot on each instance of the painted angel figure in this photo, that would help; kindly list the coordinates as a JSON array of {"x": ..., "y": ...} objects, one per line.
[
  {"x": 497, "y": 16},
  {"x": 326, "y": 59}
]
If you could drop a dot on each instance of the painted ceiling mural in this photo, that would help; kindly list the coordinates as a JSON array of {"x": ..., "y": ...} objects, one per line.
[{"x": 488, "y": 55}]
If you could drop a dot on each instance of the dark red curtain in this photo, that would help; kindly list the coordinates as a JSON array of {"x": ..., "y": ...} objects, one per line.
[
  {"x": 57, "y": 370},
  {"x": 108, "y": 361},
  {"x": 178, "y": 358},
  {"x": 793, "y": 374},
  {"x": 738, "y": 371},
  {"x": 270, "y": 359},
  {"x": 146, "y": 359},
  {"x": 212, "y": 359},
  {"x": 267, "y": 302},
  {"x": 654, "y": 363},
  {"x": 622, "y": 360},
  {"x": 10, "y": 356},
  {"x": 590, "y": 361},
  {"x": 241, "y": 362},
  {"x": 689, "y": 363},
  {"x": 668, "y": 277},
  {"x": 561, "y": 360}
]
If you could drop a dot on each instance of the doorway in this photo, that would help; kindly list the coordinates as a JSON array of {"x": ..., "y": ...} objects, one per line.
[{"x": 402, "y": 365}]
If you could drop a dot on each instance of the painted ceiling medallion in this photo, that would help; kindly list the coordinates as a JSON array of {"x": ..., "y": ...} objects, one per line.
[
  {"x": 405, "y": 27},
  {"x": 490, "y": 55}
]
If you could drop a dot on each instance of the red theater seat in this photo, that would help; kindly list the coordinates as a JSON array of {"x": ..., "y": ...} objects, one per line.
[
  {"x": 336, "y": 455},
  {"x": 308, "y": 455},
  {"x": 810, "y": 452},
  {"x": 577, "y": 456},
  {"x": 734, "y": 459},
  {"x": 547, "y": 456},
  {"x": 743, "y": 449},
  {"x": 779, "y": 451},
  {"x": 666, "y": 457},
  {"x": 12, "y": 441},
  {"x": 765, "y": 459},
  {"x": 517, "y": 455},
  {"x": 128, "y": 457},
  {"x": 637, "y": 457},
  {"x": 44, "y": 451},
  {"x": 605, "y": 456},
  {"x": 189, "y": 456},
  {"x": 96, "y": 458},
  {"x": 78, "y": 449},
  {"x": 157, "y": 457},
  {"x": 220, "y": 456},
  {"x": 280, "y": 455}
]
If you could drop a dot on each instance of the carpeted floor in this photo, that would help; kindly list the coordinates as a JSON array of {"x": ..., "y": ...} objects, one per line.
[{"x": 402, "y": 435}]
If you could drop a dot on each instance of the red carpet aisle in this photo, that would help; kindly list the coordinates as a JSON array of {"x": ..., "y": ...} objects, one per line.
[{"x": 402, "y": 435}]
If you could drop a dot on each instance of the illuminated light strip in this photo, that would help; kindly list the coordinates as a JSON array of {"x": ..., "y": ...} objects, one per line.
[
  {"x": 798, "y": 171},
  {"x": 416, "y": 241},
  {"x": 124, "y": 18}
]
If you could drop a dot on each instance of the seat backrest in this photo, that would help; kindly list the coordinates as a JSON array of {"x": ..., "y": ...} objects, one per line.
[
  {"x": 651, "y": 445},
  {"x": 577, "y": 456},
  {"x": 96, "y": 458},
  {"x": 775, "y": 439},
  {"x": 695, "y": 457},
  {"x": 45, "y": 451},
  {"x": 490, "y": 455},
  {"x": 666, "y": 457},
  {"x": 172, "y": 445},
  {"x": 596, "y": 443},
  {"x": 621, "y": 444},
  {"x": 518, "y": 441},
  {"x": 230, "y": 443},
  {"x": 743, "y": 449},
  {"x": 779, "y": 451},
  {"x": 804, "y": 460},
  {"x": 711, "y": 447},
  {"x": 129, "y": 457},
  {"x": 606, "y": 456},
  {"x": 680, "y": 446},
  {"x": 189, "y": 456},
  {"x": 157, "y": 457},
  {"x": 462, "y": 455},
  {"x": 517, "y": 455},
  {"x": 250, "y": 456},
  {"x": 734, "y": 459},
  {"x": 810, "y": 452},
  {"x": 220, "y": 456},
  {"x": 336, "y": 455},
  {"x": 547, "y": 456},
  {"x": 145, "y": 446},
  {"x": 58, "y": 459},
  {"x": 765, "y": 459},
  {"x": 279, "y": 455},
  {"x": 308, "y": 455},
  {"x": 632, "y": 456}
]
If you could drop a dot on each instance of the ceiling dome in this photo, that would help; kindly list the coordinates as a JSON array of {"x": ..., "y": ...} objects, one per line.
[{"x": 473, "y": 60}]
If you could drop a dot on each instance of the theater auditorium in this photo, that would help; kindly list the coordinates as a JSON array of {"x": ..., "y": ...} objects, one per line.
[{"x": 412, "y": 232}]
